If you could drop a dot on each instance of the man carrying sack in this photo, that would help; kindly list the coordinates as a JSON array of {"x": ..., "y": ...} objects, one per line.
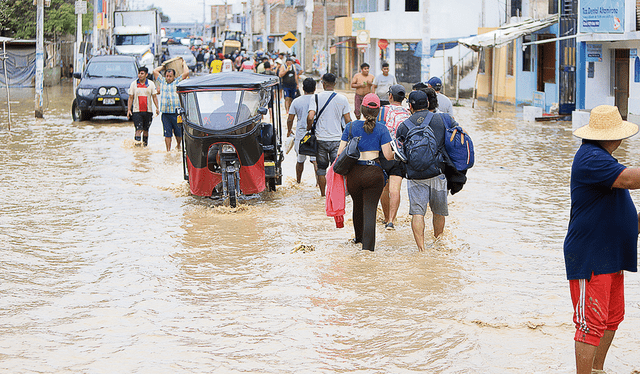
[{"x": 602, "y": 238}]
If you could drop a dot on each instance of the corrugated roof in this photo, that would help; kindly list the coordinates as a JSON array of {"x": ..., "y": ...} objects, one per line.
[{"x": 507, "y": 33}]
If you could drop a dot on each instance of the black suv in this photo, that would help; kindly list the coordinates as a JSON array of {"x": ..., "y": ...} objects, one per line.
[{"x": 104, "y": 87}]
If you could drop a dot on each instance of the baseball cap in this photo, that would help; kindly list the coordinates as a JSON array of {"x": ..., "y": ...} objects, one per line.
[
  {"x": 278, "y": 61},
  {"x": 371, "y": 100},
  {"x": 419, "y": 86},
  {"x": 435, "y": 82},
  {"x": 418, "y": 99},
  {"x": 397, "y": 90}
]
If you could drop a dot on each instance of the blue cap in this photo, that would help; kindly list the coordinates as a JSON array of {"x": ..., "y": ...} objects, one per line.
[
  {"x": 435, "y": 82},
  {"x": 418, "y": 100}
]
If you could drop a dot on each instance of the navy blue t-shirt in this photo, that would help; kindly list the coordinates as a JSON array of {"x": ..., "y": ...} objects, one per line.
[
  {"x": 603, "y": 226},
  {"x": 368, "y": 142}
]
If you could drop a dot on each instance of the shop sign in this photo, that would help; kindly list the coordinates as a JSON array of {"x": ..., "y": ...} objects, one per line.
[
  {"x": 594, "y": 52},
  {"x": 601, "y": 16}
]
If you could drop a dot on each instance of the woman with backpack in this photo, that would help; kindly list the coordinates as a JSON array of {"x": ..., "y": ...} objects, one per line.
[{"x": 366, "y": 179}]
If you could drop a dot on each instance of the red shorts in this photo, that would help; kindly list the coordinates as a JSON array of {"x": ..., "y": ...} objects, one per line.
[{"x": 598, "y": 305}]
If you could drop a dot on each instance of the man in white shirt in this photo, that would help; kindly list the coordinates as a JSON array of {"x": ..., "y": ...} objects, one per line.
[
  {"x": 329, "y": 126},
  {"x": 300, "y": 107},
  {"x": 382, "y": 83}
]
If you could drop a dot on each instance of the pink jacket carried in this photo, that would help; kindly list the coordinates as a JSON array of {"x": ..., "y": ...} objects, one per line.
[{"x": 335, "y": 197}]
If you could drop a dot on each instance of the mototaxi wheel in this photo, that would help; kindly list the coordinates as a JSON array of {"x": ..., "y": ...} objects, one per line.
[
  {"x": 231, "y": 189},
  {"x": 271, "y": 184}
]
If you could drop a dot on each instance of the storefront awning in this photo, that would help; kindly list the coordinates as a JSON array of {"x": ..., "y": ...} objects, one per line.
[{"x": 507, "y": 33}]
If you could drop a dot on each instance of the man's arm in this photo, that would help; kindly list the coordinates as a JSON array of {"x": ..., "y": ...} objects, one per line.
[
  {"x": 629, "y": 179},
  {"x": 354, "y": 82},
  {"x": 290, "y": 124},
  {"x": 156, "y": 72},
  {"x": 347, "y": 117},
  {"x": 155, "y": 102},
  {"x": 310, "y": 117}
]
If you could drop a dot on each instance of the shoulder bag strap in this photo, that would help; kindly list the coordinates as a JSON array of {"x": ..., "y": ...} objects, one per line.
[{"x": 321, "y": 110}]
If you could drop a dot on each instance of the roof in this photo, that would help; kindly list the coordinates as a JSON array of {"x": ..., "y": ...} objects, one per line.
[
  {"x": 228, "y": 80},
  {"x": 507, "y": 33}
]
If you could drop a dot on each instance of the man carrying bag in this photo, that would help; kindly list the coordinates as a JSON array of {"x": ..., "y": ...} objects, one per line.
[{"x": 327, "y": 126}]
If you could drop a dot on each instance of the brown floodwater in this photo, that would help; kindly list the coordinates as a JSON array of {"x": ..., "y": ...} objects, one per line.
[{"x": 110, "y": 265}]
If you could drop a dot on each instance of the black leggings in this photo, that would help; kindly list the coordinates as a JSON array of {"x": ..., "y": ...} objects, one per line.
[{"x": 365, "y": 184}]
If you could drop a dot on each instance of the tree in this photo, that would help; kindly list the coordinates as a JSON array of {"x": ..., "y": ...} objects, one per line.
[
  {"x": 163, "y": 17},
  {"x": 18, "y": 18}
]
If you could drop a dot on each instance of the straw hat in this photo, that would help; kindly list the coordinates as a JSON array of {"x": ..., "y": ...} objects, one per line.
[{"x": 606, "y": 123}]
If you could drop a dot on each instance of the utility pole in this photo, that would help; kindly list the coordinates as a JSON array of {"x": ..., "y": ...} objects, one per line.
[
  {"x": 425, "y": 63},
  {"x": 326, "y": 35},
  {"x": 39, "y": 112},
  {"x": 267, "y": 25}
]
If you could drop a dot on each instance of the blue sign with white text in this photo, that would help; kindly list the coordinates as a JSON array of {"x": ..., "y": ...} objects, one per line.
[{"x": 601, "y": 16}]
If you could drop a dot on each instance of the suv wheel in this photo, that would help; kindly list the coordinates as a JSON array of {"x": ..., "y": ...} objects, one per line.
[{"x": 77, "y": 113}]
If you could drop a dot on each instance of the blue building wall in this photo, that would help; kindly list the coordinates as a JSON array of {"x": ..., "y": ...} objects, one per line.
[{"x": 527, "y": 81}]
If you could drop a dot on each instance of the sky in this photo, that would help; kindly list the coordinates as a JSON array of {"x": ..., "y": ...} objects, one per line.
[{"x": 183, "y": 11}]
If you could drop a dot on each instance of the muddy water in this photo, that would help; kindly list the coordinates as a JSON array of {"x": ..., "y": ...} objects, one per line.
[{"x": 109, "y": 265}]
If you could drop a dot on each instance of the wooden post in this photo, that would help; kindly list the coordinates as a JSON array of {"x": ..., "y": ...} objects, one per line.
[
  {"x": 475, "y": 85},
  {"x": 6, "y": 80}
]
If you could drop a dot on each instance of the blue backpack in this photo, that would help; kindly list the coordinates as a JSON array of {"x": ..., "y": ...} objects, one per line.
[
  {"x": 420, "y": 150},
  {"x": 458, "y": 144}
]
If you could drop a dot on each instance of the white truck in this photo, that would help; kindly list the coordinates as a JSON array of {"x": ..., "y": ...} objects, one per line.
[{"x": 137, "y": 33}]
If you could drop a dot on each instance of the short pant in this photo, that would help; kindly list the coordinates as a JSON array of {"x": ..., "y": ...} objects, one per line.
[
  {"x": 432, "y": 192},
  {"x": 598, "y": 305},
  {"x": 289, "y": 91},
  {"x": 393, "y": 167},
  {"x": 301, "y": 158},
  {"x": 357, "y": 103},
  {"x": 171, "y": 126},
  {"x": 142, "y": 120},
  {"x": 327, "y": 153}
]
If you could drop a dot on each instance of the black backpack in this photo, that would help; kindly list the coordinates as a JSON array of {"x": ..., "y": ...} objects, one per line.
[{"x": 421, "y": 151}]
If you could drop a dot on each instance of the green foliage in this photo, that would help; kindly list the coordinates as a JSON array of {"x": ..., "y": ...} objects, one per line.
[
  {"x": 18, "y": 18},
  {"x": 163, "y": 17}
]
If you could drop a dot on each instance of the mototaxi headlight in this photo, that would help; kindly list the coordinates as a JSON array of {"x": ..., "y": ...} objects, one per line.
[
  {"x": 113, "y": 91},
  {"x": 84, "y": 91},
  {"x": 102, "y": 91},
  {"x": 228, "y": 148}
]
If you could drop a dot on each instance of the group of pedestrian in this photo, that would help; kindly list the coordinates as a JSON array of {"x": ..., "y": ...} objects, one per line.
[
  {"x": 378, "y": 175},
  {"x": 143, "y": 91}
]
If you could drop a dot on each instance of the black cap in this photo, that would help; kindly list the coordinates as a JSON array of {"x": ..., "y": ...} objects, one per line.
[
  {"x": 329, "y": 78},
  {"x": 419, "y": 86},
  {"x": 397, "y": 90},
  {"x": 418, "y": 100}
]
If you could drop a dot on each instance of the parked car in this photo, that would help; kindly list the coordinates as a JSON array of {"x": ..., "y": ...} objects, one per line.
[
  {"x": 104, "y": 87},
  {"x": 177, "y": 50}
]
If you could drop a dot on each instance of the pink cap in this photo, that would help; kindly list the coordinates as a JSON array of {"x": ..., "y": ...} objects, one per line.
[{"x": 371, "y": 101}]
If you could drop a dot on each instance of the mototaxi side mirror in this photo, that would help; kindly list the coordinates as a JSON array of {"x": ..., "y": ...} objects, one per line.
[
  {"x": 263, "y": 111},
  {"x": 77, "y": 75}
]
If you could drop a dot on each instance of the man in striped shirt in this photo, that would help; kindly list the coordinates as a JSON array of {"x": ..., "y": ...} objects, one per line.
[{"x": 169, "y": 102}]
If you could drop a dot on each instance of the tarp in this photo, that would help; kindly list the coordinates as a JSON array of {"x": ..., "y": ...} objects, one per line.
[
  {"x": 507, "y": 33},
  {"x": 21, "y": 66},
  {"x": 437, "y": 45}
]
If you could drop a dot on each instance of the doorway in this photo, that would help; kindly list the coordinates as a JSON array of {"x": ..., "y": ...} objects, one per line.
[
  {"x": 546, "y": 62},
  {"x": 621, "y": 81}
]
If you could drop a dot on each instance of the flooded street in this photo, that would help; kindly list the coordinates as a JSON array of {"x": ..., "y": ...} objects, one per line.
[{"x": 110, "y": 265}]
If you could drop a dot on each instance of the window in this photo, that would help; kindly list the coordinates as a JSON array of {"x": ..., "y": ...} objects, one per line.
[
  {"x": 526, "y": 53},
  {"x": 553, "y": 6},
  {"x": 516, "y": 8},
  {"x": 365, "y": 6},
  {"x": 510, "y": 50},
  {"x": 387, "y": 5},
  {"x": 481, "y": 62},
  {"x": 412, "y": 5}
]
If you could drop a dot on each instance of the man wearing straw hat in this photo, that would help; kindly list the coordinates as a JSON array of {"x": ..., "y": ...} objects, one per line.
[{"x": 601, "y": 241}]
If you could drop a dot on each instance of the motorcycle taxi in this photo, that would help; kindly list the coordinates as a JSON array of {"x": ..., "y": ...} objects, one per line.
[{"x": 232, "y": 142}]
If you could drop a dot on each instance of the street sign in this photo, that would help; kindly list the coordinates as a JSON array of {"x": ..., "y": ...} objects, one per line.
[
  {"x": 289, "y": 40},
  {"x": 81, "y": 7},
  {"x": 363, "y": 39}
]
